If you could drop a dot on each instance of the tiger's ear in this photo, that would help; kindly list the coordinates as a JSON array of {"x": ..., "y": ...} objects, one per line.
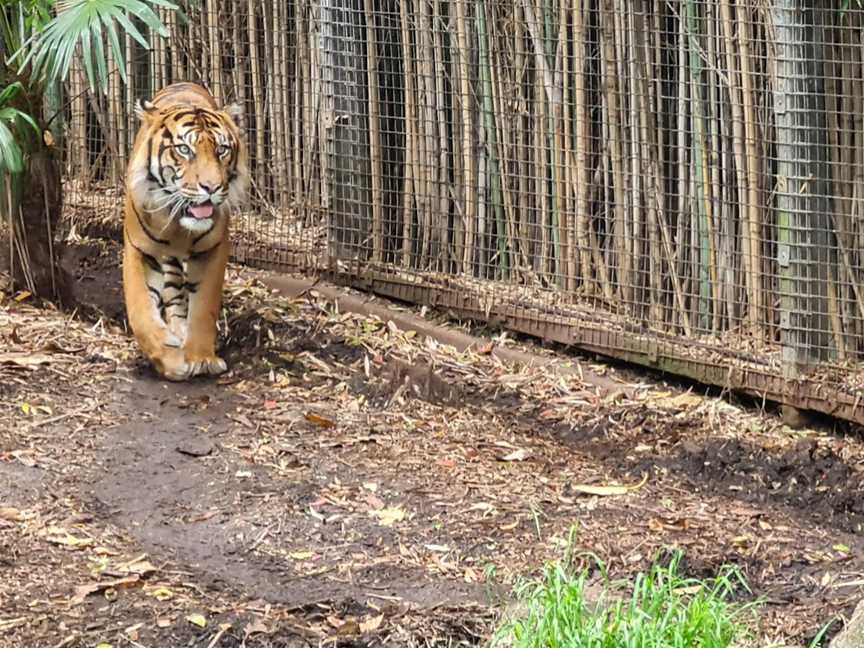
[
  {"x": 144, "y": 109},
  {"x": 234, "y": 111}
]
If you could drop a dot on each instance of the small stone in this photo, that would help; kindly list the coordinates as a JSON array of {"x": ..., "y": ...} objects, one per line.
[{"x": 196, "y": 447}]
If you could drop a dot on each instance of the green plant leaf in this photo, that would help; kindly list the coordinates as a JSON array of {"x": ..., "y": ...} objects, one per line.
[
  {"x": 11, "y": 156},
  {"x": 78, "y": 26},
  {"x": 10, "y": 92},
  {"x": 27, "y": 120}
]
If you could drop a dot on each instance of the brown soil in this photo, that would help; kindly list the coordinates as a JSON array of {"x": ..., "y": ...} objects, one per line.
[{"x": 348, "y": 483}]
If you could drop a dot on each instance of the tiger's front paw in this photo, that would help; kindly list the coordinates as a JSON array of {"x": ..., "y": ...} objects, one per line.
[
  {"x": 171, "y": 364},
  {"x": 206, "y": 365}
]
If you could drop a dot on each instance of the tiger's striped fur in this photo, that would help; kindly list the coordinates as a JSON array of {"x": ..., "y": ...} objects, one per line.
[{"x": 188, "y": 168}]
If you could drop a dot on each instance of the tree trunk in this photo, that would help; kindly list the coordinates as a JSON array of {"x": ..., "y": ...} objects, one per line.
[{"x": 31, "y": 256}]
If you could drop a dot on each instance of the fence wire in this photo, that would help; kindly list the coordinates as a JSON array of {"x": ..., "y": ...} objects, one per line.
[{"x": 688, "y": 173}]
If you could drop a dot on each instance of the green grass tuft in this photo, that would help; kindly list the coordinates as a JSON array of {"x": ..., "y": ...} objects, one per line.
[{"x": 660, "y": 609}]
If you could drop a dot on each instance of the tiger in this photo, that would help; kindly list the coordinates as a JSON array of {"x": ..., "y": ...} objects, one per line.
[{"x": 188, "y": 168}]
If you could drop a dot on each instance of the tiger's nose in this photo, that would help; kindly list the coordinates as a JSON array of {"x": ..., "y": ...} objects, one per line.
[{"x": 206, "y": 188}]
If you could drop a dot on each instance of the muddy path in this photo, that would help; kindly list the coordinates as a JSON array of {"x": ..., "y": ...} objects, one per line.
[
  {"x": 351, "y": 483},
  {"x": 203, "y": 504}
]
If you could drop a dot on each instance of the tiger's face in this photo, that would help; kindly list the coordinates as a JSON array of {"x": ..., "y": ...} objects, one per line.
[{"x": 195, "y": 165}]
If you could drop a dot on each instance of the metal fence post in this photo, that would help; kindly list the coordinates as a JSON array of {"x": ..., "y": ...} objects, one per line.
[
  {"x": 345, "y": 118},
  {"x": 803, "y": 201}
]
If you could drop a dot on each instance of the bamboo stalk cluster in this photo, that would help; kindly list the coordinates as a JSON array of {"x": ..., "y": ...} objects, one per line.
[{"x": 619, "y": 153}]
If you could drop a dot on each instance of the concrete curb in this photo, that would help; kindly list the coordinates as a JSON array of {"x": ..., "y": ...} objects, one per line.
[
  {"x": 852, "y": 635},
  {"x": 293, "y": 287}
]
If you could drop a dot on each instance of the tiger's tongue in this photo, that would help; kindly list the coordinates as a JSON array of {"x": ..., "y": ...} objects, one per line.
[{"x": 201, "y": 211}]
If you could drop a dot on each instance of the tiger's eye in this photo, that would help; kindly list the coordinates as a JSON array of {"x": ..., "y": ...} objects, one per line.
[
  {"x": 222, "y": 150},
  {"x": 183, "y": 149}
]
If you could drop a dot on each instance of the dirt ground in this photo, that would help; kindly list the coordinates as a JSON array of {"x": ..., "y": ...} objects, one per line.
[{"x": 350, "y": 483}]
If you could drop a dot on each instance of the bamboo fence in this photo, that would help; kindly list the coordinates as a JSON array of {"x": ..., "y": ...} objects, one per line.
[{"x": 695, "y": 167}]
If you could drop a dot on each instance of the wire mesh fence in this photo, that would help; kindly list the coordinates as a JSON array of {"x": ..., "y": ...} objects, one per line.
[{"x": 681, "y": 179}]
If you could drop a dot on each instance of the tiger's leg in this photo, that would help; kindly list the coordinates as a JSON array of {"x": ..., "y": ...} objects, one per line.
[
  {"x": 205, "y": 276},
  {"x": 142, "y": 285},
  {"x": 174, "y": 297}
]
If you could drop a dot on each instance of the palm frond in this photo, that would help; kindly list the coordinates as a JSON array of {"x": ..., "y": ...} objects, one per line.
[
  {"x": 11, "y": 155},
  {"x": 79, "y": 25},
  {"x": 13, "y": 124}
]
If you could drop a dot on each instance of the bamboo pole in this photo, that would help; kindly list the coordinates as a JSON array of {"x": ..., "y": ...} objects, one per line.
[
  {"x": 374, "y": 133},
  {"x": 490, "y": 138},
  {"x": 115, "y": 121},
  {"x": 713, "y": 144},
  {"x": 683, "y": 167},
  {"x": 79, "y": 146},
  {"x": 582, "y": 143},
  {"x": 442, "y": 207},
  {"x": 178, "y": 72},
  {"x": 411, "y": 162},
  {"x": 469, "y": 159},
  {"x": 503, "y": 157},
  {"x": 257, "y": 94},
  {"x": 314, "y": 184},
  {"x": 161, "y": 47},
  {"x": 297, "y": 98},
  {"x": 753, "y": 235},
  {"x": 274, "y": 80},
  {"x": 615, "y": 143}
]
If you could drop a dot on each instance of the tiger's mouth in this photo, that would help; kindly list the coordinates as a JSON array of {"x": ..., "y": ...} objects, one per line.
[{"x": 201, "y": 211}]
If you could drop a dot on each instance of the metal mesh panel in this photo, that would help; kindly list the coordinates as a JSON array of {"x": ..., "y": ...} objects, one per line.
[{"x": 677, "y": 183}]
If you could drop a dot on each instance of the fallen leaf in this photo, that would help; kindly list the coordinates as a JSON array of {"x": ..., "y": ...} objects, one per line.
[
  {"x": 163, "y": 622},
  {"x": 668, "y": 524},
  {"x": 27, "y": 360},
  {"x": 687, "y": 400},
  {"x": 60, "y": 536},
  {"x": 269, "y": 404},
  {"x": 8, "y": 624},
  {"x": 24, "y": 294},
  {"x": 132, "y": 631},
  {"x": 105, "y": 645},
  {"x": 375, "y": 502},
  {"x": 301, "y": 555},
  {"x": 83, "y": 591},
  {"x": 486, "y": 349},
  {"x": 389, "y": 516},
  {"x": 257, "y": 627},
  {"x": 689, "y": 590},
  {"x": 198, "y": 620},
  {"x": 517, "y": 455},
  {"x": 320, "y": 421},
  {"x": 137, "y": 565},
  {"x": 160, "y": 593},
  {"x": 608, "y": 490},
  {"x": 438, "y": 548},
  {"x": 350, "y": 627},
  {"x": 505, "y": 444},
  {"x": 13, "y": 514},
  {"x": 372, "y": 624},
  {"x": 25, "y": 407}
]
